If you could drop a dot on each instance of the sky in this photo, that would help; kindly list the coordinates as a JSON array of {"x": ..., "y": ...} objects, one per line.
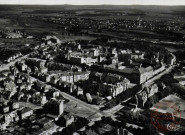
[{"x": 94, "y": 2}]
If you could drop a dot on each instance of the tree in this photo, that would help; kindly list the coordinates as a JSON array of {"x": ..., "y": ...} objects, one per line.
[
  {"x": 118, "y": 100},
  {"x": 81, "y": 97},
  {"x": 123, "y": 122},
  {"x": 95, "y": 101},
  {"x": 122, "y": 96},
  {"x": 148, "y": 104},
  {"x": 72, "y": 127},
  {"x": 167, "y": 79},
  {"x": 81, "y": 122},
  {"x": 107, "y": 120}
]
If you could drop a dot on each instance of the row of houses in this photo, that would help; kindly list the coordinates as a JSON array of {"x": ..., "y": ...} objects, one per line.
[
  {"x": 69, "y": 76},
  {"x": 11, "y": 111},
  {"x": 13, "y": 57}
]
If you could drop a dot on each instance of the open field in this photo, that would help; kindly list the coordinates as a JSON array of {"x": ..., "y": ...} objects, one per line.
[{"x": 165, "y": 105}]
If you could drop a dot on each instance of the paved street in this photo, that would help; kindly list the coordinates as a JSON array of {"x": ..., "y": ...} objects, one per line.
[
  {"x": 90, "y": 107},
  {"x": 151, "y": 81},
  {"x": 93, "y": 109}
]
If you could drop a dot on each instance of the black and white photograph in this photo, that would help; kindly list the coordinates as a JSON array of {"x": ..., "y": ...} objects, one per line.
[{"x": 92, "y": 67}]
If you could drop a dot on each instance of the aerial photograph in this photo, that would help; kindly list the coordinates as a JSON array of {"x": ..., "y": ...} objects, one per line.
[{"x": 92, "y": 67}]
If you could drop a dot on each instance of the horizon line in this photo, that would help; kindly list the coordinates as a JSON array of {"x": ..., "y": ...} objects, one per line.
[{"x": 88, "y": 5}]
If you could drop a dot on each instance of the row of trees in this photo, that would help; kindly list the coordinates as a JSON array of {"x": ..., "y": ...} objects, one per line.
[
  {"x": 158, "y": 96},
  {"x": 180, "y": 55},
  {"x": 6, "y": 53}
]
